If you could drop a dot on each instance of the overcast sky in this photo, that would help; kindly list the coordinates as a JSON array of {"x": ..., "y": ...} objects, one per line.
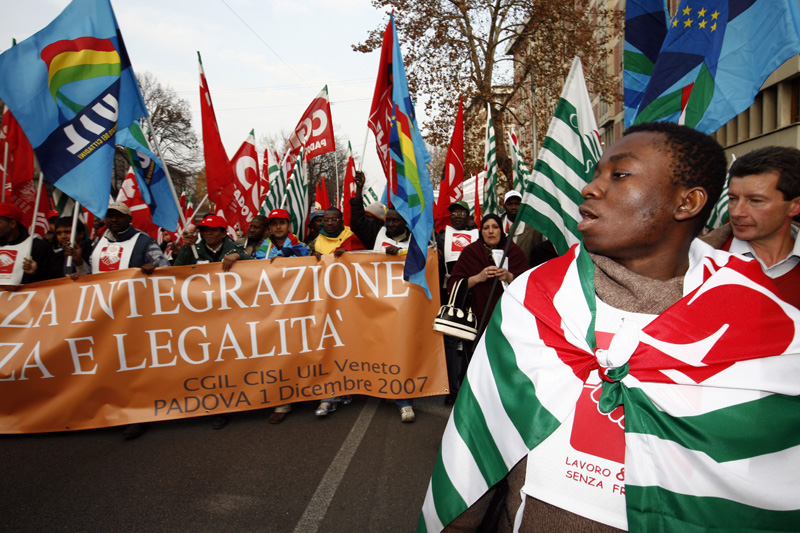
[{"x": 264, "y": 59}]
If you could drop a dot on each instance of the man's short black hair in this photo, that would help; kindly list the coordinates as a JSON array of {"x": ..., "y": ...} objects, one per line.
[
  {"x": 261, "y": 218},
  {"x": 698, "y": 160},
  {"x": 334, "y": 210},
  {"x": 781, "y": 159}
]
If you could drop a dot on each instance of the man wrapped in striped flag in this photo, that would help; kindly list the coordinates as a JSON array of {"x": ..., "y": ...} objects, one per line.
[{"x": 641, "y": 327}]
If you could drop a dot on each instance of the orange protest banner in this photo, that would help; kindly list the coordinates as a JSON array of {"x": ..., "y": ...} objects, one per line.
[{"x": 120, "y": 348}]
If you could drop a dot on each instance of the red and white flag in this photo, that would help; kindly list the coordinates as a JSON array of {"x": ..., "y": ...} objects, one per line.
[
  {"x": 314, "y": 131},
  {"x": 349, "y": 189},
  {"x": 130, "y": 195},
  {"x": 450, "y": 188},
  {"x": 16, "y": 171},
  {"x": 246, "y": 193},
  {"x": 380, "y": 114}
]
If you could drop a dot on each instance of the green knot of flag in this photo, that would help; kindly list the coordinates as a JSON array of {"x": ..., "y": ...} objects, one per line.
[{"x": 611, "y": 397}]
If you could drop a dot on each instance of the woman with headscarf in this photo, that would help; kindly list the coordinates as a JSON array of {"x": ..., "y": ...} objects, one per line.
[{"x": 478, "y": 264}]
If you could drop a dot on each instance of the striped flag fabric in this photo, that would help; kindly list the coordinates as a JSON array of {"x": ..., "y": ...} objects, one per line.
[
  {"x": 712, "y": 434},
  {"x": 276, "y": 196},
  {"x": 520, "y": 169},
  {"x": 719, "y": 215},
  {"x": 297, "y": 196},
  {"x": 490, "y": 158},
  {"x": 411, "y": 192},
  {"x": 370, "y": 196},
  {"x": 566, "y": 163}
]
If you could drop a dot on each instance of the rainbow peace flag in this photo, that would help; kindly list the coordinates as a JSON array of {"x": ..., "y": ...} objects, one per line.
[
  {"x": 73, "y": 91},
  {"x": 412, "y": 194}
]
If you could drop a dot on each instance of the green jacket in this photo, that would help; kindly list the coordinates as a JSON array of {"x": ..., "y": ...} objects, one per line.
[{"x": 186, "y": 257}]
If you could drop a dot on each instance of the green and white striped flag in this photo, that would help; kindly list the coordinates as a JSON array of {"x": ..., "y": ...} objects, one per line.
[
  {"x": 719, "y": 215},
  {"x": 370, "y": 196},
  {"x": 521, "y": 173},
  {"x": 490, "y": 198},
  {"x": 712, "y": 412},
  {"x": 276, "y": 180},
  {"x": 64, "y": 204},
  {"x": 297, "y": 195},
  {"x": 566, "y": 163},
  {"x": 277, "y": 186}
]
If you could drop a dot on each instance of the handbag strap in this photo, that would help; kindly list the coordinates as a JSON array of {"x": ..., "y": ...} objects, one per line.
[{"x": 458, "y": 296}]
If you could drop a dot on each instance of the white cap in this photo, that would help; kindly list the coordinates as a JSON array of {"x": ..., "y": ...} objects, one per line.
[{"x": 512, "y": 194}]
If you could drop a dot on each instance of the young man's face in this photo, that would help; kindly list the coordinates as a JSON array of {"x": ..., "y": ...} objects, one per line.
[
  {"x": 279, "y": 227},
  {"x": 758, "y": 210},
  {"x": 631, "y": 200},
  {"x": 512, "y": 206},
  {"x": 213, "y": 237},
  {"x": 63, "y": 234}
]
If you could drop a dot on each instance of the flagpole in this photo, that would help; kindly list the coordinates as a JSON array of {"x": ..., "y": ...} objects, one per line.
[
  {"x": 164, "y": 165},
  {"x": 364, "y": 151},
  {"x": 32, "y": 231},
  {"x": 75, "y": 212},
  {"x": 5, "y": 169},
  {"x": 336, "y": 168}
]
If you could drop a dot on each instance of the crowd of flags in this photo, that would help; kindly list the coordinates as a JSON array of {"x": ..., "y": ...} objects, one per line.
[{"x": 74, "y": 96}]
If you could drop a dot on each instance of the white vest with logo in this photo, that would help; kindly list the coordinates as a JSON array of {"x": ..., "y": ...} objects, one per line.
[
  {"x": 382, "y": 241},
  {"x": 455, "y": 240},
  {"x": 110, "y": 256},
  {"x": 11, "y": 257}
]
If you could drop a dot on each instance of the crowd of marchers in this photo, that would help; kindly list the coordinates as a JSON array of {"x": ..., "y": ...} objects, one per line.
[{"x": 764, "y": 196}]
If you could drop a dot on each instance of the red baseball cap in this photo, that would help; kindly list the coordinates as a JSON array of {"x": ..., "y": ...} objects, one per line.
[
  {"x": 52, "y": 214},
  {"x": 10, "y": 211},
  {"x": 278, "y": 213},
  {"x": 213, "y": 221}
]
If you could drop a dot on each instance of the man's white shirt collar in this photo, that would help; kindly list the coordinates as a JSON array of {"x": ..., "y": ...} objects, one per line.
[{"x": 778, "y": 269}]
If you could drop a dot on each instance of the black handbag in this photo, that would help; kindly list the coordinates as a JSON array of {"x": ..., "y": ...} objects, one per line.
[{"x": 456, "y": 318}]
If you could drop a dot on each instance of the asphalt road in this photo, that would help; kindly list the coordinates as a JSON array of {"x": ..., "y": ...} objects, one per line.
[{"x": 360, "y": 469}]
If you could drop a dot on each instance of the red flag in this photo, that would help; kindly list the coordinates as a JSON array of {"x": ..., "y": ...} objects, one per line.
[
  {"x": 220, "y": 175},
  {"x": 349, "y": 189},
  {"x": 314, "y": 131},
  {"x": 452, "y": 174},
  {"x": 42, "y": 226},
  {"x": 130, "y": 195},
  {"x": 321, "y": 199},
  {"x": 17, "y": 172},
  {"x": 245, "y": 165},
  {"x": 380, "y": 114}
]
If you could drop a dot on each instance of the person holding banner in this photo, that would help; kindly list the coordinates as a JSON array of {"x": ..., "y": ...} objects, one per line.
[
  {"x": 281, "y": 241},
  {"x": 123, "y": 246},
  {"x": 334, "y": 237},
  {"x": 20, "y": 262},
  {"x": 256, "y": 234},
  {"x": 216, "y": 246}
]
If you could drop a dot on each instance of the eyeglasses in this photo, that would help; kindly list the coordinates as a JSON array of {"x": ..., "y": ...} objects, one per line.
[{"x": 337, "y": 219}]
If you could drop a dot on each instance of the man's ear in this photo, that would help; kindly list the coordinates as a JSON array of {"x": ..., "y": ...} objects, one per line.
[
  {"x": 692, "y": 202},
  {"x": 794, "y": 207}
]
